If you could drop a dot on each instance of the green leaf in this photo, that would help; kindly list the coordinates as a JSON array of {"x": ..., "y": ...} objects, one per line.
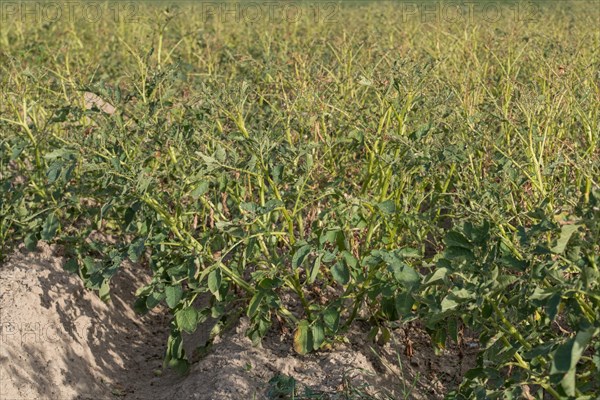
[
  {"x": 154, "y": 299},
  {"x": 566, "y": 357},
  {"x": 453, "y": 329},
  {"x": 58, "y": 153},
  {"x": 187, "y": 319},
  {"x": 17, "y": 151},
  {"x": 220, "y": 153},
  {"x": 255, "y": 302},
  {"x": 438, "y": 275},
  {"x": 174, "y": 347},
  {"x": 454, "y": 298},
  {"x": 179, "y": 365},
  {"x": 405, "y": 274},
  {"x": 388, "y": 308},
  {"x": 104, "y": 291},
  {"x": 300, "y": 255},
  {"x": 328, "y": 236},
  {"x": 72, "y": 265},
  {"x": 214, "y": 282},
  {"x": 542, "y": 293},
  {"x": 271, "y": 205},
  {"x": 249, "y": 207},
  {"x": 350, "y": 260},
  {"x": 112, "y": 265},
  {"x": 565, "y": 235},
  {"x": 281, "y": 387},
  {"x": 329, "y": 257},
  {"x": 173, "y": 295},
  {"x": 453, "y": 252},
  {"x": 331, "y": 318},
  {"x": 404, "y": 303},
  {"x": 31, "y": 241},
  {"x": 200, "y": 190},
  {"x": 303, "y": 341},
  {"x": 387, "y": 207},
  {"x": 314, "y": 272},
  {"x": 136, "y": 249},
  {"x": 407, "y": 252},
  {"x": 457, "y": 239},
  {"x": 175, "y": 355},
  {"x": 211, "y": 162},
  {"x": 139, "y": 306},
  {"x": 552, "y": 305},
  {"x": 384, "y": 336},
  {"x": 318, "y": 333},
  {"x": 340, "y": 273},
  {"x": 421, "y": 131},
  {"x": 50, "y": 227},
  {"x": 54, "y": 171}
]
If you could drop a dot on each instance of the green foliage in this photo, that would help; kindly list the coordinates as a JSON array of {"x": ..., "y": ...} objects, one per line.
[{"x": 443, "y": 175}]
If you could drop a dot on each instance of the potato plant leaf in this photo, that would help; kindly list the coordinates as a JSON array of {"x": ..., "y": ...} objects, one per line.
[
  {"x": 173, "y": 295},
  {"x": 340, "y": 273},
  {"x": 201, "y": 189},
  {"x": 565, "y": 235},
  {"x": 457, "y": 239},
  {"x": 214, "y": 282},
  {"x": 405, "y": 274},
  {"x": 303, "y": 340},
  {"x": 566, "y": 357},
  {"x": 49, "y": 227},
  {"x": 187, "y": 319},
  {"x": 318, "y": 334},
  {"x": 387, "y": 207},
  {"x": 300, "y": 255}
]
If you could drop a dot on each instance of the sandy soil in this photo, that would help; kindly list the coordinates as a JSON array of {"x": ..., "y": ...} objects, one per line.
[{"x": 60, "y": 341}]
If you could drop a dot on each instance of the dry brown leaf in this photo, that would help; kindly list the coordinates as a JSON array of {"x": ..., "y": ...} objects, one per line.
[{"x": 92, "y": 100}]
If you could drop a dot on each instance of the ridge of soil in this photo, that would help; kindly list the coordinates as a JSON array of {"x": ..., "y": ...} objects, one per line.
[{"x": 60, "y": 341}]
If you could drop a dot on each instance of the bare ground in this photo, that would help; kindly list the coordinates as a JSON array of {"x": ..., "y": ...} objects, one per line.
[{"x": 60, "y": 341}]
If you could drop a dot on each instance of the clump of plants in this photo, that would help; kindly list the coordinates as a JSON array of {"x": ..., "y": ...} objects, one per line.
[{"x": 374, "y": 182}]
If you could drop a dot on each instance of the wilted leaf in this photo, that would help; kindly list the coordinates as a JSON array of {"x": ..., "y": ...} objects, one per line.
[
  {"x": 303, "y": 342},
  {"x": 93, "y": 100}
]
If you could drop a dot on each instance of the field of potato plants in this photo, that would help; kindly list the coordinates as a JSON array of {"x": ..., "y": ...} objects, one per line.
[{"x": 369, "y": 162}]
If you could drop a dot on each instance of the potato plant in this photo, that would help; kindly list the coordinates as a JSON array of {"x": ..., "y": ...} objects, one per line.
[{"x": 314, "y": 174}]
